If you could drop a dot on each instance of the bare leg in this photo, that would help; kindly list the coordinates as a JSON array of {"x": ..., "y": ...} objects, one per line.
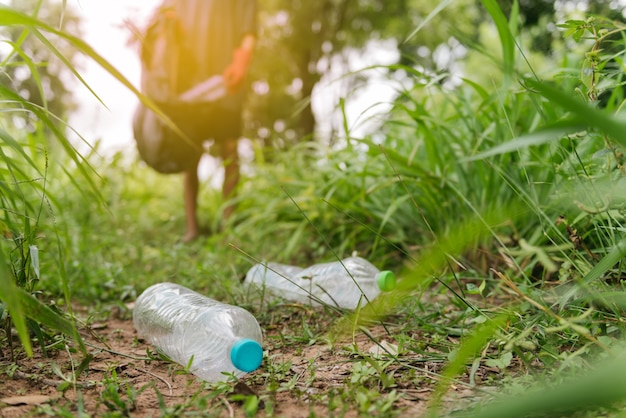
[
  {"x": 191, "y": 187},
  {"x": 230, "y": 157}
]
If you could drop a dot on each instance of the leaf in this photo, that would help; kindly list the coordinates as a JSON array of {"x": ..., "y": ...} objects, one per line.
[
  {"x": 10, "y": 295},
  {"x": 575, "y": 28},
  {"x": 572, "y": 23},
  {"x": 588, "y": 74},
  {"x": 502, "y": 362},
  {"x": 21, "y": 305},
  {"x": 383, "y": 349},
  {"x": 36, "y": 310}
]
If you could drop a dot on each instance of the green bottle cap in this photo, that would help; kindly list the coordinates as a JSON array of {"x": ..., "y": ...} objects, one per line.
[
  {"x": 246, "y": 355},
  {"x": 386, "y": 280}
]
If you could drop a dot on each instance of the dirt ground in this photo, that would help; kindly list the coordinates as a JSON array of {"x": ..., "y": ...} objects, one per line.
[{"x": 118, "y": 381}]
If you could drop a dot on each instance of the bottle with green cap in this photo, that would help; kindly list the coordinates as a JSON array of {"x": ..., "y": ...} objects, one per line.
[
  {"x": 347, "y": 283},
  {"x": 216, "y": 338}
]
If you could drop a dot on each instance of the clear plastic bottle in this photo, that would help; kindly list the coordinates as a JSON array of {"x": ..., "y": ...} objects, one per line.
[
  {"x": 280, "y": 280},
  {"x": 348, "y": 283},
  {"x": 183, "y": 324}
]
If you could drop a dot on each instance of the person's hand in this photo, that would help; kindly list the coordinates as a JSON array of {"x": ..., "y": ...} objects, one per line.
[{"x": 236, "y": 71}]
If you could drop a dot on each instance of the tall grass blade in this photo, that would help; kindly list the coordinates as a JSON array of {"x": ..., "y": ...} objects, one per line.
[
  {"x": 553, "y": 132},
  {"x": 442, "y": 5},
  {"x": 468, "y": 349},
  {"x": 11, "y": 17},
  {"x": 617, "y": 253},
  {"x": 506, "y": 38},
  {"x": 585, "y": 114},
  {"x": 599, "y": 388},
  {"x": 32, "y": 67},
  {"x": 48, "y": 120},
  {"x": 8, "y": 140}
]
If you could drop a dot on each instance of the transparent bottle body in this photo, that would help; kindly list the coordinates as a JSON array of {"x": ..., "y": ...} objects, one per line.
[
  {"x": 183, "y": 324},
  {"x": 280, "y": 280},
  {"x": 346, "y": 284}
]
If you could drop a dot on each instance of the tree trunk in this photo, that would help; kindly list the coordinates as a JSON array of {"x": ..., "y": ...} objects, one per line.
[{"x": 307, "y": 117}]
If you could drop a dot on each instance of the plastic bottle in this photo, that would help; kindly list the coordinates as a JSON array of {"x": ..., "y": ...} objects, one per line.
[
  {"x": 280, "y": 280},
  {"x": 348, "y": 283},
  {"x": 183, "y": 324}
]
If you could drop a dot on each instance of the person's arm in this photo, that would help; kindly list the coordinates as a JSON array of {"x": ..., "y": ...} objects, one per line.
[{"x": 238, "y": 68}]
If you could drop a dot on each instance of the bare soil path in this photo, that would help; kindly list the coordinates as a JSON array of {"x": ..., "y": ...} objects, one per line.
[{"x": 297, "y": 379}]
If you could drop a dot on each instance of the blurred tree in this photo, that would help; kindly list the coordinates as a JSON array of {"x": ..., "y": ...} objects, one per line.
[
  {"x": 533, "y": 11},
  {"x": 301, "y": 40},
  {"x": 540, "y": 16},
  {"x": 50, "y": 86}
]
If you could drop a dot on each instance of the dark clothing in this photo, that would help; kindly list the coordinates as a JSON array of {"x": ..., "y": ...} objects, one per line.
[
  {"x": 201, "y": 122},
  {"x": 212, "y": 29}
]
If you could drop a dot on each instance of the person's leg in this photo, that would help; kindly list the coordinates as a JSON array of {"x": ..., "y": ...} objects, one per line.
[
  {"x": 230, "y": 158},
  {"x": 191, "y": 187}
]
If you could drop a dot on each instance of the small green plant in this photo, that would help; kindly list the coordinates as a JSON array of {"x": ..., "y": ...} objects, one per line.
[
  {"x": 371, "y": 402},
  {"x": 362, "y": 372},
  {"x": 599, "y": 74},
  {"x": 112, "y": 395}
]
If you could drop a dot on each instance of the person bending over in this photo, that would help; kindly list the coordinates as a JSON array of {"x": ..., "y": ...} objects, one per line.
[{"x": 222, "y": 34}]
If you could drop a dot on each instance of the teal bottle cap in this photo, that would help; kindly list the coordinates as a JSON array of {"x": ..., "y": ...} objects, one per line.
[
  {"x": 386, "y": 280},
  {"x": 246, "y": 355}
]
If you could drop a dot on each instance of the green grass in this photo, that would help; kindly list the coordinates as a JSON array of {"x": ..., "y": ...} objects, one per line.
[{"x": 499, "y": 207}]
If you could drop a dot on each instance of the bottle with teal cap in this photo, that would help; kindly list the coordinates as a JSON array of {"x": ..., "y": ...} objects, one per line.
[
  {"x": 214, "y": 338},
  {"x": 347, "y": 283}
]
